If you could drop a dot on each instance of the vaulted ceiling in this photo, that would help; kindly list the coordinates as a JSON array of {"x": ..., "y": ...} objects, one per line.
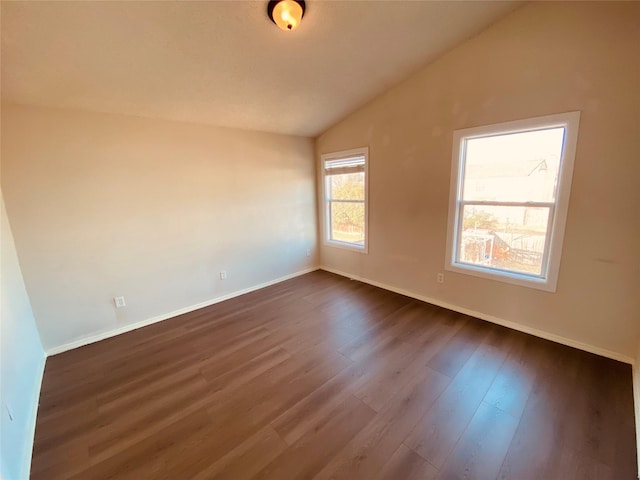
[{"x": 226, "y": 63}]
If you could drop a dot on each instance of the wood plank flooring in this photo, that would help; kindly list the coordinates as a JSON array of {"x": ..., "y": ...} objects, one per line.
[{"x": 326, "y": 378}]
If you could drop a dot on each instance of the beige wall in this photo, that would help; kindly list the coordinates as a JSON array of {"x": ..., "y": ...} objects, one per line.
[
  {"x": 104, "y": 205},
  {"x": 545, "y": 58}
]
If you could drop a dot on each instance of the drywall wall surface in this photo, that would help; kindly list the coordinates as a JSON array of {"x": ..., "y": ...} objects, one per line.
[
  {"x": 21, "y": 363},
  {"x": 544, "y": 58},
  {"x": 109, "y": 205}
]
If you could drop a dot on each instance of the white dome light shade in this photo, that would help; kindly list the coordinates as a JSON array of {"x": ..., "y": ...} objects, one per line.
[{"x": 286, "y": 14}]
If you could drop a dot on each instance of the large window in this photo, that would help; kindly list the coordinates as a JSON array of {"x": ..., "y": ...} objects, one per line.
[
  {"x": 510, "y": 187},
  {"x": 345, "y": 198}
]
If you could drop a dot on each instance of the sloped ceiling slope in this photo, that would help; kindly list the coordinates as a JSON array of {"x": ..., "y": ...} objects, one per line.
[{"x": 225, "y": 63}]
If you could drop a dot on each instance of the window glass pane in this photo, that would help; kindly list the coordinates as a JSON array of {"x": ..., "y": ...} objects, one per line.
[
  {"x": 516, "y": 167},
  {"x": 347, "y": 221},
  {"x": 505, "y": 238},
  {"x": 347, "y": 186}
]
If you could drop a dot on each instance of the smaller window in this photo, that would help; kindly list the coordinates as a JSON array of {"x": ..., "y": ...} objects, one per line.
[
  {"x": 345, "y": 182},
  {"x": 510, "y": 186}
]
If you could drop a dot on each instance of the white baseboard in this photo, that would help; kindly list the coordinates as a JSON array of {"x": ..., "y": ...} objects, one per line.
[
  {"x": 134, "y": 326},
  {"x": 35, "y": 403},
  {"x": 490, "y": 318}
]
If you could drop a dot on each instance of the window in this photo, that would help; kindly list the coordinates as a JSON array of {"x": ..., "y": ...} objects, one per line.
[
  {"x": 345, "y": 198},
  {"x": 510, "y": 187}
]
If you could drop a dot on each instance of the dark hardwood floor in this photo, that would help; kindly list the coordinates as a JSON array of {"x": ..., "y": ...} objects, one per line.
[{"x": 322, "y": 377}]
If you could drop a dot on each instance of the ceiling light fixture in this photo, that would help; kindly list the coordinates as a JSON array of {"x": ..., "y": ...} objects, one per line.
[{"x": 286, "y": 14}]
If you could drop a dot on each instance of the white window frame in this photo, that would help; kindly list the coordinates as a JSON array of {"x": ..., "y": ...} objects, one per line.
[
  {"x": 326, "y": 226},
  {"x": 557, "y": 210}
]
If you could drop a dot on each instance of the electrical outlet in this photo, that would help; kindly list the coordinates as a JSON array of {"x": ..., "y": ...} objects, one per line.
[
  {"x": 119, "y": 301},
  {"x": 308, "y": 252},
  {"x": 440, "y": 278},
  {"x": 223, "y": 274}
]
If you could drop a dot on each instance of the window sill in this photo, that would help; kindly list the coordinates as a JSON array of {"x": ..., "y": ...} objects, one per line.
[{"x": 513, "y": 278}]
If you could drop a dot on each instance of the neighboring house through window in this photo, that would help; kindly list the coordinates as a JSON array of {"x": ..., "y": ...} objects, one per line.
[
  {"x": 510, "y": 186},
  {"x": 345, "y": 186}
]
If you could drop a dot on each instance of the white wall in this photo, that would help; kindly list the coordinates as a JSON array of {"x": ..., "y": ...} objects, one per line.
[
  {"x": 104, "y": 205},
  {"x": 544, "y": 58},
  {"x": 21, "y": 365}
]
